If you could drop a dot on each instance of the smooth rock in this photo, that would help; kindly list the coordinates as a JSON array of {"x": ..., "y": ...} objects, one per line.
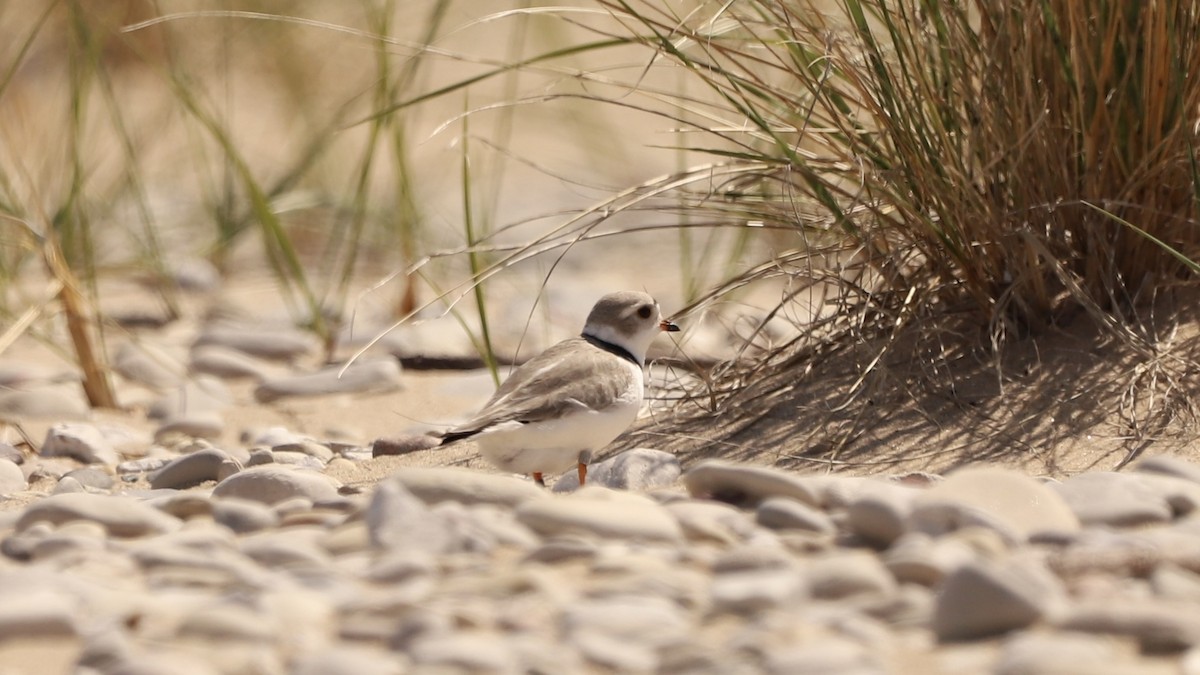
[
  {"x": 755, "y": 591},
  {"x": 120, "y": 516},
  {"x": 349, "y": 659},
  {"x": 38, "y": 613},
  {"x": 781, "y": 513},
  {"x": 12, "y": 479},
  {"x": 848, "y": 575},
  {"x": 200, "y": 394},
  {"x": 603, "y": 513},
  {"x": 11, "y": 454},
  {"x": 306, "y": 446},
  {"x": 276, "y": 343},
  {"x": 629, "y": 619},
  {"x": 397, "y": 519},
  {"x": 918, "y": 558},
  {"x": 227, "y": 363},
  {"x": 1170, "y": 581},
  {"x": 189, "y": 470},
  {"x": 244, "y": 515},
  {"x": 746, "y": 485},
  {"x": 704, "y": 520},
  {"x": 1113, "y": 499},
  {"x": 639, "y": 469},
  {"x": 1169, "y": 465},
  {"x": 403, "y": 445},
  {"x": 148, "y": 365},
  {"x": 1158, "y": 626},
  {"x": 228, "y": 623},
  {"x": 45, "y": 403},
  {"x": 360, "y": 377},
  {"x": 67, "y": 484},
  {"x": 83, "y": 442},
  {"x": 90, "y": 477},
  {"x": 207, "y": 424},
  {"x": 437, "y": 484},
  {"x": 274, "y": 483},
  {"x": 464, "y": 651},
  {"x": 985, "y": 598},
  {"x": 1061, "y": 652},
  {"x": 1007, "y": 501},
  {"x": 837, "y": 656},
  {"x": 880, "y": 516}
]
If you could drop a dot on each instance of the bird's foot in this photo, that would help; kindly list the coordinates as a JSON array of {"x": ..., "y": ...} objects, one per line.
[
  {"x": 582, "y": 468},
  {"x": 539, "y": 479}
]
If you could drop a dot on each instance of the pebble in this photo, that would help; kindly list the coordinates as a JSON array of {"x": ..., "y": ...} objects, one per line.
[
  {"x": 148, "y": 365},
  {"x": 84, "y": 442},
  {"x": 403, "y": 445},
  {"x": 45, "y": 403},
  {"x": 189, "y": 470},
  {"x": 350, "y": 660},
  {"x": 227, "y": 363},
  {"x": 984, "y": 598},
  {"x": 437, "y": 484},
  {"x": 703, "y": 520},
  {"x": 273, "y": 483},
  {"x": 1009, "y": 502},
  {"x": 465, "y": 651},
  {"x": 207, "y": 424},
  {"x": 243, "y": 515},
  {"x": 12, "y": 479},
  {"x": 603, "y": 513},
  {"x": 639, "y": 469},
  {"x": 1157, "y": 626},
  {"x": 1036, "y": 652},
  {"x": 11, "y": 454},
  {"x": 781, "y": 513},
  {"x": 880, "y": 516},
  {"x": 379, "y": 375},
  {"x": 1114, "y": 499},
  {"x": 198, "y": 395},
  {"x": 32, "y": 614},
  {"x": 276, "y": 343},
  {"x": 91, "y": 477},
  {"x": 120, "y": 516},
  {"x": 840, "y": 576},
  {"x": 1168, "y": 465},
  {"x": 745, "y": 485}
]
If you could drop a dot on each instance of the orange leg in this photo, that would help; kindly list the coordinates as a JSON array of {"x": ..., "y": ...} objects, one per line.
[
  {"x": 537, "y": 477},
  {"x": 582, "y": 473}
]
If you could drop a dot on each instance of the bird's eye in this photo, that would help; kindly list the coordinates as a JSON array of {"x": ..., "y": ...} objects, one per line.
[{"x": 644, "y": 311}]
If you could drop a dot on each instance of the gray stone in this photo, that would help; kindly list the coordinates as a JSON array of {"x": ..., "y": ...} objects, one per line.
[
  {"x": 359, "y": 377},
  {"x": 403, "y": 445},
  {"x": 1113, "y": 499},
  {"x": 704, "y": 520},
  {"x": 917, "y": 558},
  {"x": 396, "y": 519},
  {"x": 1172, "y": 582},
  {"x": 189, "y": 470},
  {"x": 781, "y": 513},
  {"x": 756, "y": 590},
  {"x": 273, "y": 483},
  {"x": 90, "y": 477},
  {"x": 1058, "y": 652},
  {"x": 206, "y": 424},
  {"x": 11, "y": 454},
  {"x": 305, "y": 446},
  {"x": 837, "y": 656},
  {"x": 603, "y": 513},
  {"x": 274, "y": 343},
  {"x": 227, "y": 623},
  {"x": 143, "y": 464},
  {"x": 66, "y": 485},
  {"x": 745, "y": 485},
  {"x": 985, "y": 598},
  {"x": 349, "y": 660},
  {"x": 638, "y": 469},
  {"x": 45, "y": 403},
  {"x": 83, "y": 442},
  {"x": 121, "y": 516},
  {"x": 1007, "y": 501},
  {"x": 38, "y": 613},
  {"x": 148, "y": 365},
  {"x": 1157, "y": 626},
  {"x": 198, "y": 395},
  {"x": 848, "y": 575},
  {"x": 244, "y": 515},
  {"x": 438, "y": 484},
  {"x": 227, "y": 363},
  {"x": 465, "y": 651},
  {"x": 880, "y": 516},
  {"x": 12, "y": 479},
  {"x": 1169, "y": 465}
]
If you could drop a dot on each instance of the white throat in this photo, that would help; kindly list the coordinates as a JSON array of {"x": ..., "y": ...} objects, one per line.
[{"x": 637, "y": 344}]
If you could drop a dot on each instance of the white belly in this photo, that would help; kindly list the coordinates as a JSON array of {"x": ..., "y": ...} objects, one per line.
[{"x": 554, "y": 446}]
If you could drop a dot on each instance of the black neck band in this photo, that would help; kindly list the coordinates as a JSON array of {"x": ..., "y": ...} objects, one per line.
[{"x": 611, "y": 348}]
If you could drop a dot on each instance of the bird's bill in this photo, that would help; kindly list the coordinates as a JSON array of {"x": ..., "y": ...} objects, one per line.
[{"x": 667, "y": 327}]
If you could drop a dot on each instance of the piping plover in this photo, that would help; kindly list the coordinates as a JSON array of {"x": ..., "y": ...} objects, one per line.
[{"x": 573, "y": 399}]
